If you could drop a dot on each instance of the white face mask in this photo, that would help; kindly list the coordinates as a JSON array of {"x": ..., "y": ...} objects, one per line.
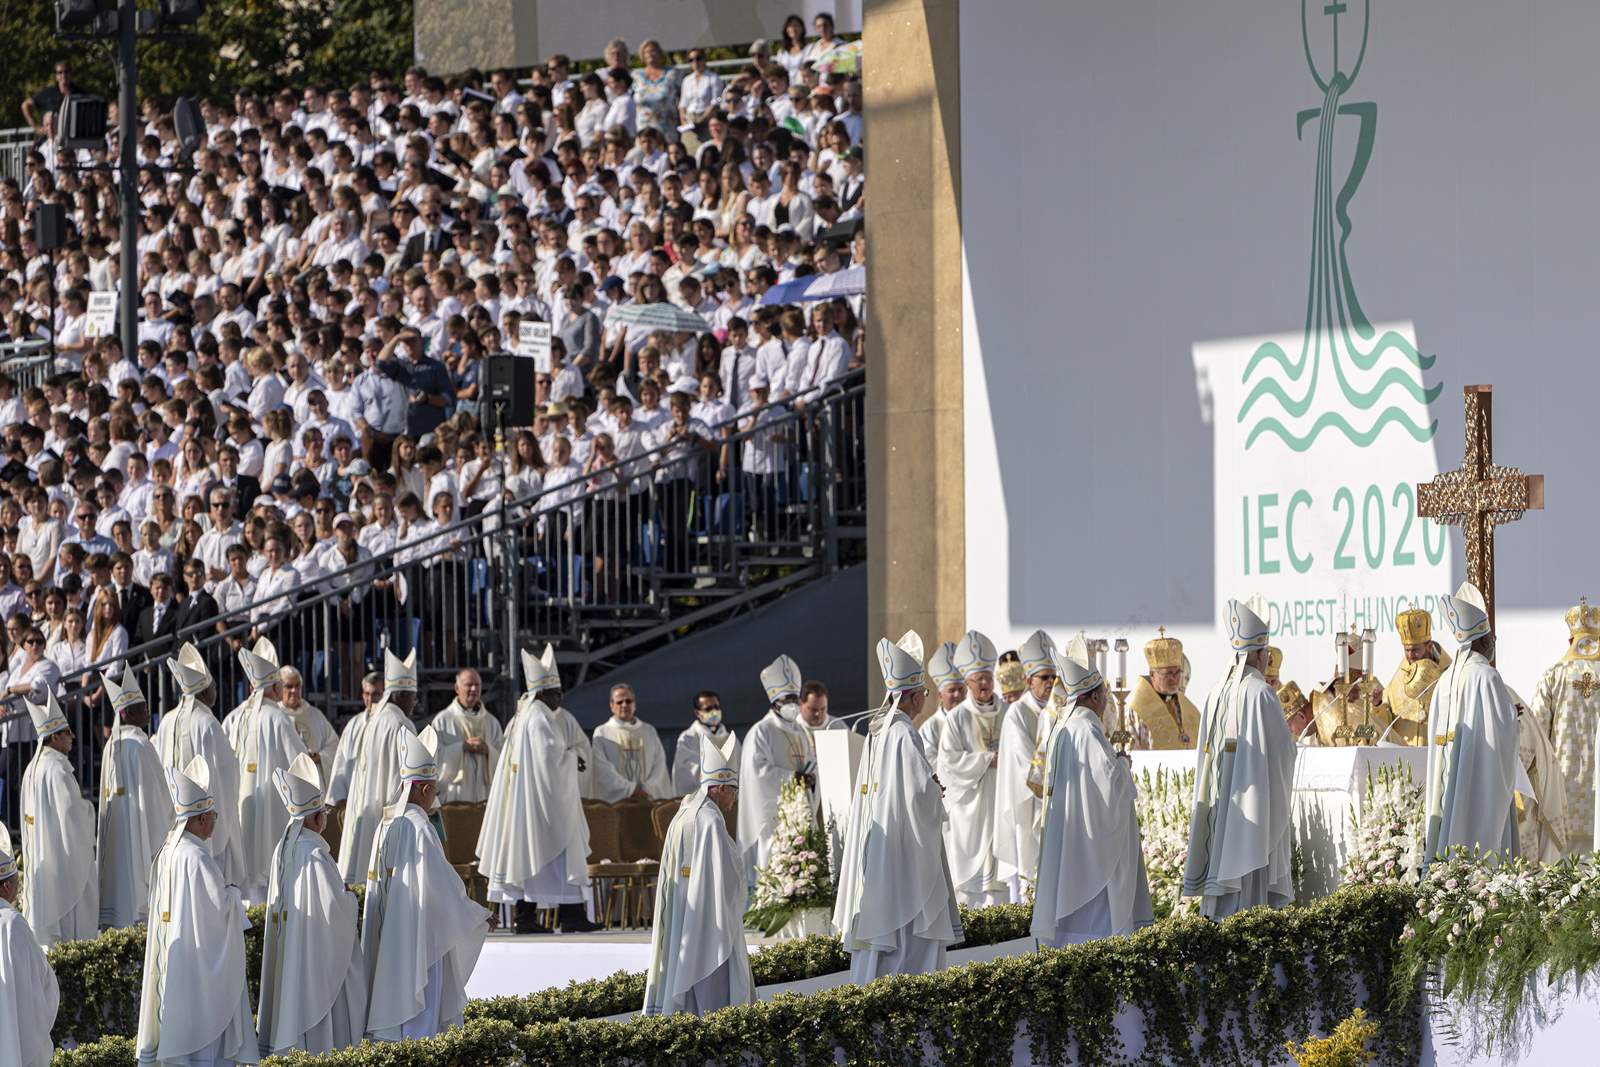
[{"x": 789, "y": 711}]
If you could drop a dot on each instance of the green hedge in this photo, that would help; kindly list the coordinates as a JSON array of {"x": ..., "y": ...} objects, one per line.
[{"x": 1226, "y": 993}]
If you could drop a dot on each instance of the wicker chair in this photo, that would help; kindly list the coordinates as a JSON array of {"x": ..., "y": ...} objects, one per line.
[
  {"x": 334, "y": 830},
  {"x": 606, "y": 869},
  {"x": 462, "y": 824},
  {"x": 661, "y": 817}
]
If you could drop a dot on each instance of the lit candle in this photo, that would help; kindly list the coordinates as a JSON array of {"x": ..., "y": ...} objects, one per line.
[
  {"x": 1344, "y": 651},
  {"x": 1369, "y": 639},
  {"x": 1122, "y": 663}
]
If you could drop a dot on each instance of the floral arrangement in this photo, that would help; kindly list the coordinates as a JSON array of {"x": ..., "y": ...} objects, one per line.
[
  {"x": 1386, "y": 834},
  {"x": 1164, "y": 803},
  {"x": 1491, "y": 936},
  {"x": 796, "y": 876}
]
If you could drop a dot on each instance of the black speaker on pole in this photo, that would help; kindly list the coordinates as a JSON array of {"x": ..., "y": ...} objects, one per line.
[
  {"x": 189, "y": 125},
  {"x": 50, "y": 226},
  {"x": 508, "y": 389}
]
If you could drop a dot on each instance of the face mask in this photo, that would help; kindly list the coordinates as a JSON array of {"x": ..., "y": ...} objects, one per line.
[
  {"x": 712, "y": 719},
  {"x": 789, "y": 711}
]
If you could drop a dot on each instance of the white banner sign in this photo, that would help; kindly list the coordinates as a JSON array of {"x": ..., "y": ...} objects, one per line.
[
  {"x": 533, "y": 339},
  {"x": 102, "y": 318}
]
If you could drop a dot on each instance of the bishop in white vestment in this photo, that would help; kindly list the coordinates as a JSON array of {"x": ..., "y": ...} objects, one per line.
[
  {"x": 1239, "y": 834},
  {"x": 420, "y": 932},
  {"x": 1017, "y": 804},
  {"x": 135, "y": 807},
  {"x": 966, "y": 761},
  {"x": 195, "y": 1008},
  {"x": 61, "y": 890},
  {"x": 1566, "y": 704},
  {"x": 949, "y": 692},
  {"x": 707, "y": 725},
  {"x": 264, "y": 741},
  {"x": 377, "y": 750},
  {"x": 1472, "y": 742},
  {"x": 896, "y": 909},
  {"x": 698, "y": 960},
  {"x": 29, "y": 995},
  {"x": 776, "y": 750},
  {"x": 313, "y": 976},
  {"x": 534, "y": 845},
  {"x": 1091, "y": 867},
  {"x": 476, "y": 736},
  {"x": 190, "y": 730}
]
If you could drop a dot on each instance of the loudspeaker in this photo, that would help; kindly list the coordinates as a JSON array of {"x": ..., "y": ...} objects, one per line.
[
  {"x": 190, "y": 127},
  {"x": 50, "y": 226},
  {"x": 83, "y": 122},
  {"x": 508, "y": 387}
]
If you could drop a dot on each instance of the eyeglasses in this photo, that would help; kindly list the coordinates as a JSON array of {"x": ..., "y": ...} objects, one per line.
[
  {"x": 33, "y": 641},
  {"x": 219, "y": 503}
]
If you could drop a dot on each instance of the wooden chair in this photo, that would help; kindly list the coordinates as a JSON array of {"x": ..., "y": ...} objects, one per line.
[
  {"x": 605, "y": 868},
  {"x": 462, "y": 824},
  {"x": 661, "y": 817},
  {"x": 334, "y": 830},
  {"x": 638, "y": 836}
]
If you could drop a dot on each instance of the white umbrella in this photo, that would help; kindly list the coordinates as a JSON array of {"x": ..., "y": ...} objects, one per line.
[
  {"x": 668, "y": 317},
  {"x": 852, "y": 281}
]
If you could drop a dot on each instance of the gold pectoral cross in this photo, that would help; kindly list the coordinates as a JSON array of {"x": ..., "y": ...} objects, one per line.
[{"x": 1586, "y": 685}]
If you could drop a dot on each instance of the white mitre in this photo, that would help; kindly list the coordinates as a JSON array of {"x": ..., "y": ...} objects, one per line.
[
  {"x": 260, "y": 664},
  {"x": 47, "y": 717},
  {"x": 300, "y": 786},
  {"x": 1074, "y": 679},
  {"x": 190, "y": 670},
  {"x": 399, "y": 675},
  {"x": 781, "y": 679},
  {"x": 974, "y": 654},
  {"x": 1037, "y": 653},
  {"x": 1247, "y": 631},
  {"x": 191, "y": 790},
  {"x": 539, "y": 672},
  {"x": 418, "y": 759},
  {"x": 717, "y": 763},
  {"x": 941, "y": 668},
  {"x": 1467, "y": 614},
  {"x": 123, "y": 695}
]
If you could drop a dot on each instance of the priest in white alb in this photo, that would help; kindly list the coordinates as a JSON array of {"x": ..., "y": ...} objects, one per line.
[
  {"x": 896, "y": 908},
  {"x": 29, "y": 995},
  {"x": 707, "y": 725},
  {"x": 1016, "y": 835},
  {"x": 698, "y": 960},
  {"x": 966, "y": 762},
  {"x": 776, "y": 750},
  {"x": 1472, "y": 742},
  {"x": 264, "y": 741},
  {"x": 375, "y": 754},
  {"x": 316, "y": 732},
  {"x": 1091, "y": 868},
  {"x": 61, "y": 889},
  {"x": 191, "y": 729},
  {"x": 948, "y": 692},
  {"x": 135, "y": 806},
  {"x": 632, "y": 746},
  {"x": 420, "y": 932},
  {"x": 195, "y": 1006},
  {"x": 475, "y": 735},
  {"x": 1239, "y": 834},
  {"x": 313, "y": 976},
  {"x": 533, "y": 848}
]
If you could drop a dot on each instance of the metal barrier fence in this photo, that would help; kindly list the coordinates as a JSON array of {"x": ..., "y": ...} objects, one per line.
[
  {"x": 28, "y": 363},
  {"x": 14, "y": 147},
  {"x": 600, "y": 565}
]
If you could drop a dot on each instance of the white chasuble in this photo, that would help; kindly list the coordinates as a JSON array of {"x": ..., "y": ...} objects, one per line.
[
  {"x": 1091, "y": 868},
  {"x": 966, "y": 764},
  {"x": 60, "y": 881},
  {"x": 1566, "y": 703},
  {"x": 698, "y": 960},
  {"x": 318, "y": 735},
  {"x": 135, "y": 816},
  {"x": 1239, "y": 834},
  {"x": 313, "y": 977},
  {"x": 375, "y": 762},
  {"x": 774, "y": 751},
  {"x": 464, "y": 778},
  {"x": 196, "y": 1004},
  {"x": 534, "y": 844},
  {"x": 263, "y": 740},
  {"x": 1016, "y": 837},
  {"x": 29, "y": 995},
  {"x": 634, "y": 751},
  {"x": 191, "y": 730},
  {"x": 896, "y": 908},
  {"x": 420, "y": 933},
  {"x": 1472, "y": 760}
]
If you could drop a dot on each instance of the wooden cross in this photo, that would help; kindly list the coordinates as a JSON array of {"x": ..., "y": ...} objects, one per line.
[{"x": 1481, "y": 494}]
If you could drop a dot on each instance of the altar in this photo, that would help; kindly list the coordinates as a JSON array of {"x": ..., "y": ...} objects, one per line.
[{"x": 1330, "y": 786}]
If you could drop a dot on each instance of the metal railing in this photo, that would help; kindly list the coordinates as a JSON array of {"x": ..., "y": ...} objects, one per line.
[
  {"x": 15, "y": 144},
  {"x": 602, "y": 565},
  {"x": 28, "y": 363}
]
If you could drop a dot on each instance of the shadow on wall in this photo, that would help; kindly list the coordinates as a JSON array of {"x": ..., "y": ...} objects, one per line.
[{"x": 822, "y": 625}]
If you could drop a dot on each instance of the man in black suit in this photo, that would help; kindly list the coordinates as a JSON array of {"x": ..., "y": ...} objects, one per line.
[
  {"x": 132, "y": 598},
  {"x": 244, "y": 487},
  {"x": 431, "y": 238},
  {"x": 158, "y": 621}
]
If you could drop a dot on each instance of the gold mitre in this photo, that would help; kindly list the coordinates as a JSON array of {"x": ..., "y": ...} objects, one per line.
[
  {"x": 1162, "y": 652},
  {"x": 1415, "y": 626},
  {"x": 1583, "y": 620},
  {"x": 1291, "y": 698},
  {"x": 1274, "y": 662}
]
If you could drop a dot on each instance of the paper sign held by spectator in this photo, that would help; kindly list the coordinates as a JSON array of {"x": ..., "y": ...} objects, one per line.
[
  {"x": 533, "y": 339},
  {"x": 102, "y": 318}
]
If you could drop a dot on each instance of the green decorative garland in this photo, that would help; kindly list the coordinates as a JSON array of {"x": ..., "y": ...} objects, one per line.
[{"x": 1224, "y": 993}]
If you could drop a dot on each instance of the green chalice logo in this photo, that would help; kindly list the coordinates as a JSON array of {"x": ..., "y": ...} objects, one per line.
[{"x": 1284, "y": 400}]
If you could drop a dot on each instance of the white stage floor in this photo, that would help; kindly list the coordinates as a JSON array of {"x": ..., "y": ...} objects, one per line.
[{"x": 514, "y": 966}]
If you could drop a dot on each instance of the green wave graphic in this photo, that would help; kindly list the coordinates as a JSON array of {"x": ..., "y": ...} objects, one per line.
[{"x": 1333, "y": 420}]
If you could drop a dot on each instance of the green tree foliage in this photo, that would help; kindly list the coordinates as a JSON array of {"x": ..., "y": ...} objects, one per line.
[{"x": 263, "y": 45}]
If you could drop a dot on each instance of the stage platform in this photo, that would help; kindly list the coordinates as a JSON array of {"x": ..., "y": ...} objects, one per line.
[{"x": 512, "y": 965}]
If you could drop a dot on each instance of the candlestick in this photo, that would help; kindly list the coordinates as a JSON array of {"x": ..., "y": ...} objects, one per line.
[
  {"x": 1369, "y": 639},
  {"x": 1122, "y": 663},
  {"x": 1344, "y": 652}
]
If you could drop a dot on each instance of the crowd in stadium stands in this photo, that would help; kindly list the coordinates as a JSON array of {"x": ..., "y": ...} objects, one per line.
[{"x": 321, "y": 285}]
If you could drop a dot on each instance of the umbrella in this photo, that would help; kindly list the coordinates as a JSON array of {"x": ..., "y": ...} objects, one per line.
[
  {"x": 852, "y": 281},
  {"x": 668, "y": 317},
  {"x": 787, "y": 292},
  {"x": 840, "y": 231}
]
